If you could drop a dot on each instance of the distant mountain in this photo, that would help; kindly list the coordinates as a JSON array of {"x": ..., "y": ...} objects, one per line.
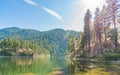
[{"x": 55, "y": 41}]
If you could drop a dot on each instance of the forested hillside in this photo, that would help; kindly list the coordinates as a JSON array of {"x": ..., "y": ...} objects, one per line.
[{"x": 53, "y": 41}]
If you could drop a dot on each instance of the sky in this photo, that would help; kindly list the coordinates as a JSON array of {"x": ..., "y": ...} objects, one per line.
[{"x": 45, "y": 15}]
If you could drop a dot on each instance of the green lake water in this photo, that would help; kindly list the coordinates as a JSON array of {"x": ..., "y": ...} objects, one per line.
[{"x": 56, "y": 66}]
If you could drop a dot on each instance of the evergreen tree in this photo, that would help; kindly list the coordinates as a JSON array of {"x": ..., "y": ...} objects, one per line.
[
  {"x": 97, "y": 25},
  {"x": 87, "y": 36},
  {"x": 113, "y": 8},
  {"x": 98, "y": 29}
]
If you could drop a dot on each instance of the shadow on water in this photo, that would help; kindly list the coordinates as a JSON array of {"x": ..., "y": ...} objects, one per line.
[
  {"x": 56, "y": 66},
  {"x": 86, "y": 67}
]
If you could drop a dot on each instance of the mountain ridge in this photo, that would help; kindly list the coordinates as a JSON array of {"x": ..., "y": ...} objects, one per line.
[{"x": 55, "y": 40}]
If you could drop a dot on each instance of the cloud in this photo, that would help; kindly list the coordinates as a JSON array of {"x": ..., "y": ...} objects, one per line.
[
  {"x": 53, "y": 13},
  {"x": 30, "y": 2}
]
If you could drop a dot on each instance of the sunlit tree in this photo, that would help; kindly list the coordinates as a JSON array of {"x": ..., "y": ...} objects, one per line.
[
  {"x": 87, "y": 36},
  {"x": 113, "y": 8}
]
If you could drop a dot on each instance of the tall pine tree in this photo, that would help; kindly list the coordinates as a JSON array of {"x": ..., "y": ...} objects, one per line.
[
  {"x": 87, "y": 36},
  {"x": 113, "y": 8}
]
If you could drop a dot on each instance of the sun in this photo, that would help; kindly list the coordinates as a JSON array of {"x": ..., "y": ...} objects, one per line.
[
  {"x": 81, "y": 7},
  {"x": 92, "y": 4}
]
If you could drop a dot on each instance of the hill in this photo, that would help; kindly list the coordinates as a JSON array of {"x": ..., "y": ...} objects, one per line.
[{"x": 52, "y": 41}]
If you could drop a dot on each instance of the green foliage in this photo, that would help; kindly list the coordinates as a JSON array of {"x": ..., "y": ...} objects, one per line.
[
  {"x": 26, "y": 53},
  {"x": 112, "y": 34},
  {"x": 5, "y": 53},
  {"x": 74, "y": 46},
  {"x": 8, "y": 45},
  {"x": 111, "y": 57},
  {"x": 71, "y": 44},
  {"x": 53, "y": 41}
]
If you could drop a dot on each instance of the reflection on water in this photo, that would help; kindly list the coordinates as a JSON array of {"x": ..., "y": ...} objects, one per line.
[
  {"x": 85, "y": 67},
  {"x": 55, "y": 66}
]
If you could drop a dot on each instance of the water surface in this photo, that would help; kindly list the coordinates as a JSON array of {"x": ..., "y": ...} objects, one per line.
[{"x": 56, "y": 66}]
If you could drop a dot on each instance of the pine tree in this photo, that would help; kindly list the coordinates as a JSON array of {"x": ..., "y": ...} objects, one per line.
[
  {"x": 98, "y": 28},
  {"x": 97, "y": 25},
  {"x": 113, "y": 8},
  {"x": 87, "y": 36}
]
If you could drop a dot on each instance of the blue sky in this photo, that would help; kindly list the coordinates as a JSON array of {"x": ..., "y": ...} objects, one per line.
[{"x": 44, "y": 15}]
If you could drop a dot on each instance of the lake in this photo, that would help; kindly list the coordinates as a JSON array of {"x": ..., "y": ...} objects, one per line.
[{"x": 56, "y": 66}]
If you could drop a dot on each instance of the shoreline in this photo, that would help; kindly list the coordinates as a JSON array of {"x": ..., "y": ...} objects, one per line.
[{"x": 39, "y": 56}]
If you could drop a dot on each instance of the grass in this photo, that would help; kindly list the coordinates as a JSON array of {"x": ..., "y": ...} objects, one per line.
[
  {"x": 95, "y": 71},
  {"x": 27, "y": 74},
  {"x": 112, "y": 57}
]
